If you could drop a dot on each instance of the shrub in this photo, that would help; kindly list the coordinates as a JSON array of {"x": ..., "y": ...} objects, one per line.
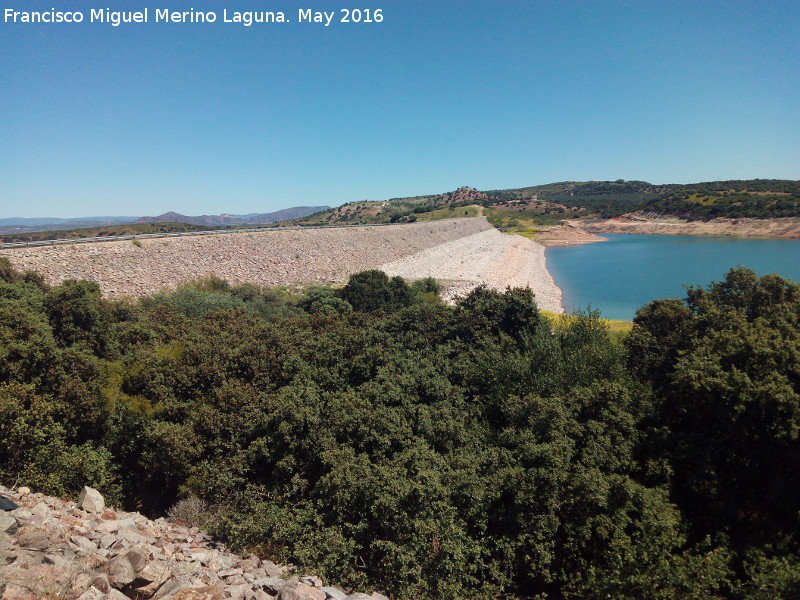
[{"x": 192, "y": 512}]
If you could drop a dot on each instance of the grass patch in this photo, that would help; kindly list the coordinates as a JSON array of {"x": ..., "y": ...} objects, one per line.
[
  {"x": 616, "y": 327},
  {"x": 703, "y": 200},
  {"x": 446, "y": 213}
]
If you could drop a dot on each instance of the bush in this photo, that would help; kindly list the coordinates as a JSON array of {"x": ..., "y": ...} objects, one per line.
[
  {"x": 192, "y": 512},
  {"x": 373, "y": 290}
]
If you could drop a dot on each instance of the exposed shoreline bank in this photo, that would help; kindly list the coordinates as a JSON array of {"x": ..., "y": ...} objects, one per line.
[
  {"x": 786, "y": 228},
  {"x": 569, "y": 234}
]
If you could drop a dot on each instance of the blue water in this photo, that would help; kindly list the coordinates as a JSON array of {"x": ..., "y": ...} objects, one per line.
[{"x": 620, "y": 275}]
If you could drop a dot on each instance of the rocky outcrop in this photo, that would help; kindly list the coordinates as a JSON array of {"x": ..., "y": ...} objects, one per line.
[{"x": 52, "y": 548}]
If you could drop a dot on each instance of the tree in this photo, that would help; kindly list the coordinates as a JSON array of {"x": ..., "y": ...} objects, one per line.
[
  {"x": 728, "y": 375},
  {"x": 373, "y": 290},
  {"x": 78, "y": 313}
]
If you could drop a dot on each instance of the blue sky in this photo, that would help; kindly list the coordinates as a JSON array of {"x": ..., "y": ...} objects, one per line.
[{"x": 208, "y": 118}]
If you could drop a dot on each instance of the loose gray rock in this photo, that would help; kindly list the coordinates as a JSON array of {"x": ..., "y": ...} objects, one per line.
[
  {"x": 34, "y": 538},
  {"x": 156, "y": 571},
  {"x": 91, "y": 500},
  {"x": 120, "y": 572},
  {"x": 240, "y": 592},
  {"x": 91, "y": 594},
  {"x": 138, "y": 558},
  {"x": 111, "y": 555},
  {"x": 296, "y": 590},
  {"x": 271, "y": 585},
  {"x": 41, "y": 509},
  {"x": 101, "y": 582},
  {"x": 271, "y": 568},
  {"x": 311, "y": 580},
  {"x": 8, "y": 524},
  {"x": 208, "y": 592},
  {"x": 334, "y": 593}
]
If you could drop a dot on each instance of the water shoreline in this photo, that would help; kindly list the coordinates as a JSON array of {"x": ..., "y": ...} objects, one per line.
[
  {"x": 783, "y": 228},
  {"x": 633, "y": 269}
]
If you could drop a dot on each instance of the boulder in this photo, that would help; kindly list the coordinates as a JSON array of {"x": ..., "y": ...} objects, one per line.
[
  {"x": 271, "y": 585},
  {"x": 271, "y": 568},
  {"x": 239, "y": 592},
  {"x": 91, "y": 594},
  {"x": 109, "y": 555},
  {"x": 101, "y": 583},
  {"x": 311, "y": 580},
  {"x": 155, "y": 571},
  {"x": 296, "y": 590},
  {"x": 138, "y": 558},
  {"x": 91, "y": 501},
  {"x": 120, "y": 572},
  {"x": 214, "y": 591},
  {"x": 41, "y": 510},
  {"x": 334, "y": 593},
  {"x": 172, "y": 586},
  {"x": 83, "y": 544},
  {"x": 8, "y": 524},
  {"x": 32, "y": 537}
]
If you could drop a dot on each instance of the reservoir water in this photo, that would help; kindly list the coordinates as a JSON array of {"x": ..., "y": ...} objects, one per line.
[{"x": 620, "y": 275}]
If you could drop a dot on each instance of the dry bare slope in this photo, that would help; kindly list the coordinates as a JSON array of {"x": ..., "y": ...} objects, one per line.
[
  {"x": 487, "y": 257},
  {"x": 788, "y": 228}
]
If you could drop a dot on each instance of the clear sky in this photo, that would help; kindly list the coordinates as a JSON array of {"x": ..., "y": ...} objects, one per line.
[{"x": 209, "y": 118}]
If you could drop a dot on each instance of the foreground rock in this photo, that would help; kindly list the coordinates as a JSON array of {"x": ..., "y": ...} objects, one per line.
[{"x": 54, "y": 548}]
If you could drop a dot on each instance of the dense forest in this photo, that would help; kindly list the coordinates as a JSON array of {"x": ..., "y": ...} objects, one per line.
[
  {"x": 757, "y": 199},
  {"x": 381, "y": 438}
]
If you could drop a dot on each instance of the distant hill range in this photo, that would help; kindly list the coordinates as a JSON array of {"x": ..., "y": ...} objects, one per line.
[
  {"x": 28, "y": 225},
  {"x": 287, "y": 214},
  {"x": 66, "y": 223},
  {"x": 25, "y": 225},
  {"x": 543, "y": 204}
]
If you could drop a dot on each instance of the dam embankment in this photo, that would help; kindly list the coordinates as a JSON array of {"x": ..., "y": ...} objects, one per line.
[{"x": 463, "y": 252}]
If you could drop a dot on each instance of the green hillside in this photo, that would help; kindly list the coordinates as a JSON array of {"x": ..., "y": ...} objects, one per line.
[
  {"x": 758, "y": 199},
  {"x": 553, "y": 202}
]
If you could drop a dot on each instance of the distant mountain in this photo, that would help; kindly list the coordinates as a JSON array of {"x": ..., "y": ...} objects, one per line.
[
  {"x": 18, "y": 225},
  {"x": 40, "y": 221},
  {"x": 287, "y": 214}
]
